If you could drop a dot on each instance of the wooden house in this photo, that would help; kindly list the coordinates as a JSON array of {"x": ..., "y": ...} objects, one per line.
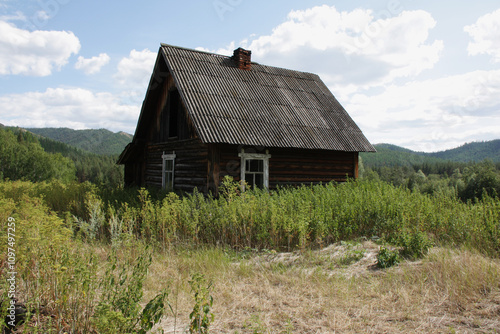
[{"x": 206, "y": 116}]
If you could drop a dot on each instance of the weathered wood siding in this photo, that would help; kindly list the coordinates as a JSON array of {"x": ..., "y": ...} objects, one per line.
[
  {"x": 293, "y": 167},
  {"x": 190, "y": 164}
]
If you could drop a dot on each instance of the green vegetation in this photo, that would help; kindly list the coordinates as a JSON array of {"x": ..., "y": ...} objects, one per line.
[
  {"x": 476, "y": 151},
  {"x": 62, "y": 227},
  {"x": 24, "y": 156},
  {"x": 202, "y": 316},
  {"x": 101, "y": 141},
  {"x": 387, "y": 257},
  {"x": 392, "y": 155},
  {"x": 467, "y": 181},
  {"x": 83, "y": 267}
]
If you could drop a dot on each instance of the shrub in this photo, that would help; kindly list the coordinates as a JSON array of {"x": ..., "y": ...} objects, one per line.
[
  {"x": 201, "y": 316},
  {"x": 119, "y": 310},
  {"x": 387, "y": 258},
  {"x": 415, "y": 245}
]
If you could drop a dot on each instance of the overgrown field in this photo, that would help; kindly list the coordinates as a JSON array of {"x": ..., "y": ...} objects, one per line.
[{"x": 83, "y": 267}]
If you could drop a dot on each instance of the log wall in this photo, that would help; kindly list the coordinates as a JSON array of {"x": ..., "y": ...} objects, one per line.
[
  {"x": 203, "y": 166},
  {"x": 190, "y": 164},
  {"x": 293, "y": 167}
]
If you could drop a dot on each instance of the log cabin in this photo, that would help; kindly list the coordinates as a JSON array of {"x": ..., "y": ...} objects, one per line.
[{"x": 206, "y": 116}]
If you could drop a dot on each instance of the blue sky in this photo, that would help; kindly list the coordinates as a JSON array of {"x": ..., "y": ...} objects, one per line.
[{"x": 421, "y": 74}]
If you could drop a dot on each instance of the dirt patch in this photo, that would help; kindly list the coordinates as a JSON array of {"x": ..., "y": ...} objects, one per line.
[{"x": 347, "y": 259}]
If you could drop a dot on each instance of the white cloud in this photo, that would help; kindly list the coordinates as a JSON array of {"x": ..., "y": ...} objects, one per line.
[
  {"x": 359, "y": 47},
  {"x": 133, "y": 74},
  {"x": 34, "y": 53},
  {"x": 432, "y": 115},
  {"x": 42, "y": 16},
  {"x": 485, "y": 34},
  {"x": 75, "y": 108},
  {"x": 92, "y": 65},
  {"x": 136, "y": 68}
]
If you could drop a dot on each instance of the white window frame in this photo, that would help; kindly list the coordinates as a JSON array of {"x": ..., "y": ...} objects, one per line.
[
  {"x": 165, "y": 158},
  {"x": 254, "y": 156}
]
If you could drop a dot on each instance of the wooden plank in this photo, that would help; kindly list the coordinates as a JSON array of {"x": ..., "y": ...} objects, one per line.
[{"x": 214, "y": 166}]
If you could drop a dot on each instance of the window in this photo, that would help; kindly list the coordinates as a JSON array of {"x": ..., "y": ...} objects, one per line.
[
  {"x": 167, "y": 174},
  {"x": 255, "y": 169},
  {"x": 169, "y": 118},
  {"x": 174, "y": 101}
]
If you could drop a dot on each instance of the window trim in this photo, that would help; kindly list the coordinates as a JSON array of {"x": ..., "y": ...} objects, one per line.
[
  {"x": 254, "y": 156},
  {"x": 165, "y": 158}
]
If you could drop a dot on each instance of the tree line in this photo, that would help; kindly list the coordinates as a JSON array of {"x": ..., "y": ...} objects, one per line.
[
  {"x": 24, "y": 156},
  {"x": 465, "y": 180}
]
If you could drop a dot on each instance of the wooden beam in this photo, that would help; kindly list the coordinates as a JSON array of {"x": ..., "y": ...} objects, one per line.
[
  {"x": 356, "y": 166},
  {"x": 213, "y": 168}
]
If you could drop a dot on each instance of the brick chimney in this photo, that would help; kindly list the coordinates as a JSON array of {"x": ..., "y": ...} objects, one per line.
[{"x": 242, "y": 59}]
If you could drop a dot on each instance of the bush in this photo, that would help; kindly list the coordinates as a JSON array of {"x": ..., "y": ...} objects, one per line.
[
  {"x": 415, "y": 245},
  {"x": 118, "y": 310},
  {"x": 387, "y": 258}
]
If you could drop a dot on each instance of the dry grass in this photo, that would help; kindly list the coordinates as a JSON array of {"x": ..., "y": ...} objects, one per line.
[{"x": 315, "y": 292}]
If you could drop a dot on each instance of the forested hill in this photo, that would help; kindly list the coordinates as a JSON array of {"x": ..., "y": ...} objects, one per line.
[
  {"x": 99, "y": 141},
  {"x": 26, "y": 156},
  {"x": 392, "y": 155},
  {"x": 476, "y": 151}
]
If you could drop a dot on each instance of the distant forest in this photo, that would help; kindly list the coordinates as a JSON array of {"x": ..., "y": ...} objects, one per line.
[
  {"x": 469, "y": 172},
  {"x": 25, "y": 156},
  {"x": 101, "y": 141}
]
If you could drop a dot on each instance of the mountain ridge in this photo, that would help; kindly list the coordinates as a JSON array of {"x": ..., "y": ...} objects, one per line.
[
  {"x": 393, "y": 155},
  {"x": 97, "y": 141}
]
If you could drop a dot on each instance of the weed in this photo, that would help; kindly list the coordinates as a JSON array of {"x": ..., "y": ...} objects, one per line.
[
  {"x": 255, "y": 324},
  {"x": 415, "y": 245},
  {"x": 201, "y": 317},
  {"x": 387, "y": 258},
  {"x": 122, "y": 286}
]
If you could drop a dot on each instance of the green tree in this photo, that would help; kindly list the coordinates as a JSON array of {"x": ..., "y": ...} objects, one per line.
[
  {"x": 480, "y": 180},
  {"x": 22, "y": 158}
]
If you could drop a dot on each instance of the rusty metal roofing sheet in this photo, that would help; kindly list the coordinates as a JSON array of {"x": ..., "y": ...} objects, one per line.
[{"x": 265, "y": 106}]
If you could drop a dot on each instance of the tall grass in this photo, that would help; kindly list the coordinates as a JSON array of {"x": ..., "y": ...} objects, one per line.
[
  {"x": 316, "y": 215},
  {"x": 285, "y": 219},
  {"x": 59, "y": 279}
]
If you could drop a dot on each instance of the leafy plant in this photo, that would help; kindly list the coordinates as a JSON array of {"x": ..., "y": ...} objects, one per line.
[
  {"x": 201, "y": 317},
  {"x": 255, "y": 324},
  {"x": 119, "y": 310},
  {"x": 415, "y": 245},
  {"x": 387, "y": 257}
]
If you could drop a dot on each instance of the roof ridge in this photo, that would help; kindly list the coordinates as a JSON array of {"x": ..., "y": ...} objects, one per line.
[
  {"x": 229, "y": 57},
  {"x": 193, "y": 50}
]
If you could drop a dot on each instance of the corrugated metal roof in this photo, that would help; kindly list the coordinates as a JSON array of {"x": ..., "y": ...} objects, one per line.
[{"x": 265, "y": 106}]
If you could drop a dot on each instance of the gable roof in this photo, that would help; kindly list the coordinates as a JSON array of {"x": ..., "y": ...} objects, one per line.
[{"x": 264, "y": 106}]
